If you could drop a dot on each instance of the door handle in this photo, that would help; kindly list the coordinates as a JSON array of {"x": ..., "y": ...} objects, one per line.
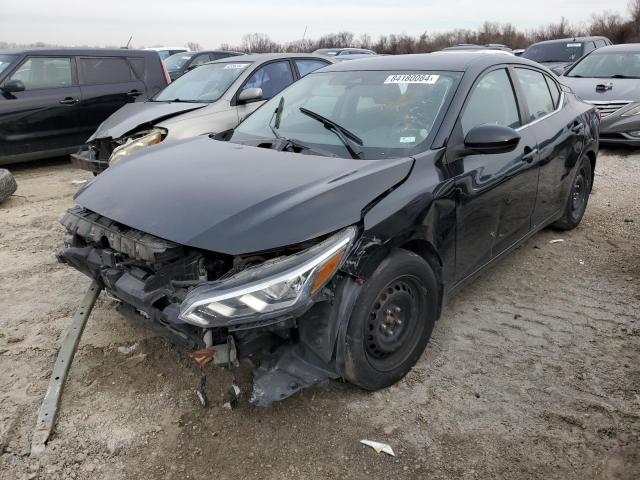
[
  {"x": 134, "y": 93},
  {"x": 69, "y": 101},
  {"x": 529, "y": 154}
]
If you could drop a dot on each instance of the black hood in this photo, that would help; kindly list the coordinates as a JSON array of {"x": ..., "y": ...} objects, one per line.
[
  {"x": 132, "y": 115},
  {"x": 235, "y": 199},
  {"x": 621, "y": 88}
]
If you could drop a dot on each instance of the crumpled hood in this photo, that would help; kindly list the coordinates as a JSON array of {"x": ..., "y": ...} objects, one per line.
[
  {"x": 134, "y": 114},
  {"x": 623, "y": 88},
  {"x": 235, "y": 199}
]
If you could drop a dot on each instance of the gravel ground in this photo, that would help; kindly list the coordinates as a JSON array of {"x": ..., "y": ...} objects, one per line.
[{"x": 533, "y": 371}]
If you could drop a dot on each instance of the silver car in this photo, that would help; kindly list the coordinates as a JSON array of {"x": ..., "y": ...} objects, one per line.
[{"x": 211, "y": 99}]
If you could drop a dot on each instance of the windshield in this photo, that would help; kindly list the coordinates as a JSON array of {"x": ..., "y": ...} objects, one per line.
[
  {"x": 177, "y": 61},
  {"x": 390, "y": 113},
  {"x": 5, "y": 61},
  {"x": 608, "y": 65},
  {"x": 206, "y": 83},
  {"x": 554, "y": 52}
]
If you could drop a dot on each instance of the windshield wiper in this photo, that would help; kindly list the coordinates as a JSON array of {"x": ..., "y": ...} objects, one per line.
[
  {"x": 618, "y": 75},
  {"x": 342, "y": 133},
  {"x": 286, "y": 142}
]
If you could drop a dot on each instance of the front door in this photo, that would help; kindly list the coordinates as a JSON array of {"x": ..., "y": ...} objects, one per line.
[
  {"x": 43, "y": 117},
  {"x": 496, "y": 192}
]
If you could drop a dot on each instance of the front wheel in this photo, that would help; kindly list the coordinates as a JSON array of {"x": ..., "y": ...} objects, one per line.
[
  {"x": 391, "y": 322},
  {"x": 576, "y": 203}
]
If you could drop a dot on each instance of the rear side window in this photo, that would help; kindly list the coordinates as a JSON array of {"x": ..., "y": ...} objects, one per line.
[
  {"x": 492, "y": 102},
  {"x": 600, "y": 43},
  {"x": 307, "y": 66},
  {"x": 554, "y": 89},
  {"x": 42, "y": 72},
  {"x": 536, "y": 93},
  {"x": 101, "y": 70},
  {"x": 271, "y": 78},
  {"x": 137, "y": 63}
]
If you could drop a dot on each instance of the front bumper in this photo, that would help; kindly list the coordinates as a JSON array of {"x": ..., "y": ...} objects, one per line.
[
  {"x": 616, "y": 129},
  {"x": 86, "y": 159},
  {"x": 150, "y": 277}
]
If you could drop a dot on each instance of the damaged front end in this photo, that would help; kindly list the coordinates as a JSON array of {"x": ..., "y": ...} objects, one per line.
[{"x": 278, "y": 309}]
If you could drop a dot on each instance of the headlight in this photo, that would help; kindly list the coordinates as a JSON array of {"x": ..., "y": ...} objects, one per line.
[
  {"x": 270, "y": 289},
  {"x": 633, "y": 111},
  {"x": 136, "y": 143}
]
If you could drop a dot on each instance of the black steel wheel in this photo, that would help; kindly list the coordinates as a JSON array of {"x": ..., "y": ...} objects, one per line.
[
  {"x": 392, "y": 321},
  {"x": 578, "y": 197}
]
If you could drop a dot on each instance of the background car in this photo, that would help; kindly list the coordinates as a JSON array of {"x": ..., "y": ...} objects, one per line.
[
  {"x": 335, "y": 52},
  {"x": 212, "y": 98},
  {"x": 473, "y": 47},
  {"x": 166, "y": 52},
  {"x": 609, "y": 78},
  {"x": 558, "y": 54},
  {"x": 324, "y": 238},
  {"x": 51, "y": 100},
  {"x": 180, "y": 63}
]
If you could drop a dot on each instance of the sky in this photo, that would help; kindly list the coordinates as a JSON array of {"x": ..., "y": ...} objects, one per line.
[{"x": 211, "y": 23}]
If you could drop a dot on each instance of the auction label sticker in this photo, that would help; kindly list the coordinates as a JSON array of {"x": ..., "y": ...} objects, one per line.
[
  {"x": 235, "y": 65},
  {"x": 574, "y": 45},
  {"x": 413, "y": 78}
]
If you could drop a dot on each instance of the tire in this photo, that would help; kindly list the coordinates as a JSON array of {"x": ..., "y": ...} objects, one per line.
[
  {"x": 8, "y": 184},
  {"x": 578, "y": 197},
  {"x": 391, "y": 322}
]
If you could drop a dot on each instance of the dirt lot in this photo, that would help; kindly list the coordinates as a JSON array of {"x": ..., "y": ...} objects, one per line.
[{"x": 532, "y": 372}]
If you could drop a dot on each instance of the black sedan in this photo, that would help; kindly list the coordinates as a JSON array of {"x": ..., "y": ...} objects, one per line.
[
  {"x": 609, "y": 78},
  {"x": 180, "y": 63},
  {"x": 325, "y": 237}
]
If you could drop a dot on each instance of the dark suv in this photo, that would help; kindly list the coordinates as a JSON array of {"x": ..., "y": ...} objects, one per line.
[
  {"x": 557, "y": 55},
  {"x": 52, "y": 100}
]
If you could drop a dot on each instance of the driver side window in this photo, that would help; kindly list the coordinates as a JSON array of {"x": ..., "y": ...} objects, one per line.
[
  {"x": 271, "y": 78},
  {"x": 492, "y": 102}
]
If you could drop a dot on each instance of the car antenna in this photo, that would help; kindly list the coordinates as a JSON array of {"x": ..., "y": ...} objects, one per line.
[{"x": 129, "y": 42}]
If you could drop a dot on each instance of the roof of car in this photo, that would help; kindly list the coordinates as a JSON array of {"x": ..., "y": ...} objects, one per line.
[
  {"x": 76, "y": 51},
  {"x": 623, "y": 47},
  {"x": 256, "y": 57},
  {"x": 207, "y": 51},
  {"x": 458, "y": 61},
  {"x": 571, "y": 39}
]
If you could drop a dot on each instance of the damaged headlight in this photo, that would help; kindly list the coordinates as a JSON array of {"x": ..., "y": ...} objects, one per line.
[
  {"x": 137, "y": 142},
  {"x": 270, "y": 289}
]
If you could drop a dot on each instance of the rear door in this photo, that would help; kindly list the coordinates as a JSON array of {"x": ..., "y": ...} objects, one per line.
[
  {"x": 496, "y": 192},
  {"x": 558, "y": 131},
  {"x": 106, "y": 83},
  {"x": 43, "y": 117}
]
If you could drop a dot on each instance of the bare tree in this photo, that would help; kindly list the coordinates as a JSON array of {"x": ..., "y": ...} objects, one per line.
[{"x": 194, "y": 46}]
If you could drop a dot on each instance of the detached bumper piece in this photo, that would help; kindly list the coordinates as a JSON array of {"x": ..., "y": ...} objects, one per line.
[
  {"x": 94, "y": 158},
  {"x": 151, "y": 278}
]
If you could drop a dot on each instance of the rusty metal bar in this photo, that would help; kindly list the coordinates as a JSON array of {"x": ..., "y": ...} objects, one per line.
[{"x": 49, "y": 409}]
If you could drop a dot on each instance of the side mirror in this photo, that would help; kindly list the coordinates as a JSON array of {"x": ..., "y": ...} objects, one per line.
[
  {"x": 249, "y": 95},
  {"x": 13, "y": 86},
  {"x": 492, "y": 139}
]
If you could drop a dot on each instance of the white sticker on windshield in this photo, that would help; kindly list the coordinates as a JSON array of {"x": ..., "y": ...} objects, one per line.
[
  {"x": 412, "y": 78},
  {"x": 235, "y": 65},
  {"x": 407, "y": 139},
  {"x": 574, "y": 45}
]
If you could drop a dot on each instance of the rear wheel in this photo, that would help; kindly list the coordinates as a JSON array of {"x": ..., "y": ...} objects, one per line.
[
  {"x": 8, "y": 184},
  {"x": 392, "y": 321},
  {"x": 578, "y": 197}
]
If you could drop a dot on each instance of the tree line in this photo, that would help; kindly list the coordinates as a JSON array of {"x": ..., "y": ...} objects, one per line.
[{"x": 613, "y": 25}]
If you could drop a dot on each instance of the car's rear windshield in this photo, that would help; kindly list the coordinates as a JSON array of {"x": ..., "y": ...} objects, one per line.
[
  {"x": 177, "y": 61},
  {"x": 394, "y": 113},
  {"x": 608, "y": 65},
  {"x": 554, "y": 52},
  {"x": 5, "y": 61},
  {"x": 206, "y": 83}
]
